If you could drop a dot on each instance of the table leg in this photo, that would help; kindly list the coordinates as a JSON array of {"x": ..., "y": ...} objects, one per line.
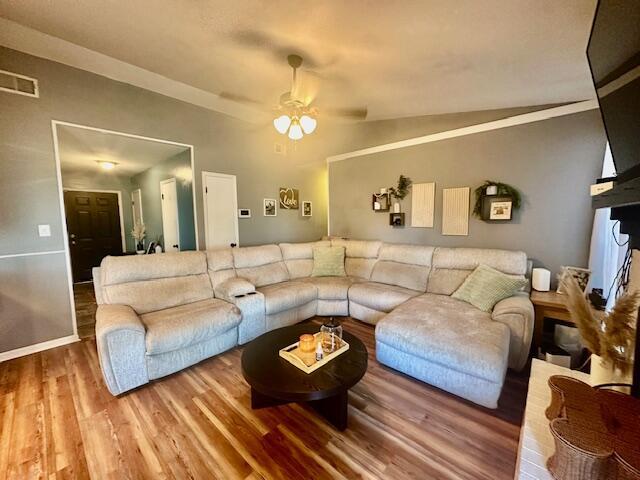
[
  {"x": 334, "y": 409},
  {"x": 538, "y": 328}
]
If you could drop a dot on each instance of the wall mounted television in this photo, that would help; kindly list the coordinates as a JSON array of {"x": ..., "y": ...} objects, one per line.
[{"x": 614, "y": 59}]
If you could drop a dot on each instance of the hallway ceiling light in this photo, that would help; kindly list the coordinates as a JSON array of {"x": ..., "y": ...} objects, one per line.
[{"x": 107, "y": 165}]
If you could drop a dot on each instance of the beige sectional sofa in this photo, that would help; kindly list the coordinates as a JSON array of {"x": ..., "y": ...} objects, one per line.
[{"x": 160, "y": 313}]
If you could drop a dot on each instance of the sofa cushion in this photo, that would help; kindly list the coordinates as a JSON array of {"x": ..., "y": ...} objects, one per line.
[
  {"x": 261, "y": 265},
  {"x": 331, "y": 288},
  {"x": 136, "y": 268},
  {"x": 298, "y": 257},
  {"x": 360, "y": 256},
  {"x": 403, "y": 265},
  {"x": 448, "y": 332},
  {"x": 486, "y": 286},
  {"x": 220, "y": 265},
  {"x": 451, "y": 266},
  {"x": 328, "y": 262},
  {"x": 287, "y": 295},
  {"x": 179, "y": 327},
  {"x": 379, "y": 296}
]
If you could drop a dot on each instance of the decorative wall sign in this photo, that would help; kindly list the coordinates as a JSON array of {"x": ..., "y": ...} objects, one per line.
[
  {"x": 270, "y": 209},
  {"x": 244, "y": 213},
  {"x": 422, "y": 204},
  {"x": 455, "y": 211},
  {"x": 289, "y": 198},
  {"x": 307, "y": 210},
  {"x": 380, "y": 201}
]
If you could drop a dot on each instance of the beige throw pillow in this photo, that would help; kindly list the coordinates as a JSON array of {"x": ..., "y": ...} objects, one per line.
[{"x": 328, "y": 262}]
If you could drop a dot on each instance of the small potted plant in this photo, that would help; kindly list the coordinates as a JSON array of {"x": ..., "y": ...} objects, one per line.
[
  {"x": 138, "y": 233},
  {"x": 401, "y": 191},
  {"x": 609, "y": 336}
]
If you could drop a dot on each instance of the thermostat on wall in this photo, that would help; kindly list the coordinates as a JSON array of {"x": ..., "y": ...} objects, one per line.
[{"x": 244, "y": 213}]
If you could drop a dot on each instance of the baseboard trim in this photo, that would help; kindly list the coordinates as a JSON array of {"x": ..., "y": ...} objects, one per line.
[{"x": 38, "y": 347}]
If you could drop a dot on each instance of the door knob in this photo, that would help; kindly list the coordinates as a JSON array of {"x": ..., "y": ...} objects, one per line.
[
  {"x": 73, "y": 235},
  {"x": 175, "y": 246},
  {"x": 233, "y": 245}
]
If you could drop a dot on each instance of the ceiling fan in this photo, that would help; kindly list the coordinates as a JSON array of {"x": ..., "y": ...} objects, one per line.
[{"x": 296, "y": 115}]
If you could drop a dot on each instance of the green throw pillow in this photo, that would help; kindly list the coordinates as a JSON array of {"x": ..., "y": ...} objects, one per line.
[
  {"x": 486, "y": 286},
  {"x": 328, "y": 262}
]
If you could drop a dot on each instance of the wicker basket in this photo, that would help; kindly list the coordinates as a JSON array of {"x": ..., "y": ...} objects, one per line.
[{"x": 580, "y": 453}]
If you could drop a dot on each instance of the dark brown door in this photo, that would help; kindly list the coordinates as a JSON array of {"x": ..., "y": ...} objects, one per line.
[{"x": 93, "y": 224}]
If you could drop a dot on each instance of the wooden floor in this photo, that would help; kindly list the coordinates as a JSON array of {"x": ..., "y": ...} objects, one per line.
[
  {"x": 57, "y": 420},
  {"x": 85, "y": 304}
]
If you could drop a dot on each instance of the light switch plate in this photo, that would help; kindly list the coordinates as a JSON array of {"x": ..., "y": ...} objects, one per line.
[{"x": 44, "y": 230}]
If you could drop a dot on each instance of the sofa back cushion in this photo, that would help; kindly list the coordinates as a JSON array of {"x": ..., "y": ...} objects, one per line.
[
  {"x": 220, "y": 265},
  {"x": 406, "y": 266},
  {"x": 261, "y": 265},
  {"x": 148, "y": 283},
  {"x": 360, "y": 256},
  {"x": 451, "y": 266},
  {"x": 298, "y": 257}
]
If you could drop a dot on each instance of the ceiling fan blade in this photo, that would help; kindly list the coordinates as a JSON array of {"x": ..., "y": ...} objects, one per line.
[
  {"x": 351, "y": 113},
  {"x": 234, "y": 97}
]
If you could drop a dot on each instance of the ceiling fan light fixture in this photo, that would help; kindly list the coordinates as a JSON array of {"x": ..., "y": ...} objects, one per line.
[
  {"x": 295, "y": 131},
  {"x": 282, "y": 123},
  {"x": 308, "y": 124}
]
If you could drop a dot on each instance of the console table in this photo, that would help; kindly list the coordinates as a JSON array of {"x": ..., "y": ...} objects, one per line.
[{"x": 536, "y": 443}]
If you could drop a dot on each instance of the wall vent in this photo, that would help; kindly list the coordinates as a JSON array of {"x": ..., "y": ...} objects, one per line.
[{"x": 20, "y": 84}]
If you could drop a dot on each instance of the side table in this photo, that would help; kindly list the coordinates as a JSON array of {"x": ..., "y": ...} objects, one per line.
[{"x": 547, "y": 305}]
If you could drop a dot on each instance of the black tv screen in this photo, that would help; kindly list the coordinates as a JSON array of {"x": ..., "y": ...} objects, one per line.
[{"x": 614, "y": 59}]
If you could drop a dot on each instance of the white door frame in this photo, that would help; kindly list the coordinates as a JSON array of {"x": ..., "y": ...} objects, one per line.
[
  {"x": 120, "y": 211},
  {"x": 133, "y": 210},
  {"x": 175, "y": 186},
  {"x": 63, "y": 219},
  {"x": 204, "y": 202}
]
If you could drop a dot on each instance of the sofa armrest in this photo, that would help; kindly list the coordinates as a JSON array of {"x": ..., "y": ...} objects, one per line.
[
  {"x": 120, "y": 338},
  {"x": 517, "y": 313},
  {"x": 233, "y": 288}
]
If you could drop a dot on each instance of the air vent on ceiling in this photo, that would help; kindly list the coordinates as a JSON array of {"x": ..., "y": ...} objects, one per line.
[{"x": 20, "y": 84}]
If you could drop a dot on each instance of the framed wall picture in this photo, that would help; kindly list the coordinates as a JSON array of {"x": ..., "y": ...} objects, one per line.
[
  {"x": 270, "y": 207},
  {"x": 582, "y": 276},
  {"x": 244, "y": 213},
  {"x": 500, "y": 210},
  {"x": 307, "y": 209},
  {"x": 289, "y": 198}
]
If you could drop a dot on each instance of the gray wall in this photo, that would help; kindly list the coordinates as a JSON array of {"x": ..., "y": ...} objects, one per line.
[
  {"x": 551, "y": 162},
  {"x": 149, "y": 184},
  {"x": 29, "y": 188},
  {"x": 105, "y": 181}
]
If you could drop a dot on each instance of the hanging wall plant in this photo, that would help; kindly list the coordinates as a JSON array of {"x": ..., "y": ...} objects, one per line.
[
  {"x": 496, "y": 201},
  {"x": 401, "y": 191}
]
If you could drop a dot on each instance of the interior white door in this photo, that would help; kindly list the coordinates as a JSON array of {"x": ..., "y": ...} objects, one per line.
[
  {"x": 220, "y": 209},
  {"x": 170, "y": 224},
  {"x": 136, "y": 205}
]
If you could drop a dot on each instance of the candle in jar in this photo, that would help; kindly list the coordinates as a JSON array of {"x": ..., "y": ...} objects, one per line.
[{"x": 307, "y": 343}]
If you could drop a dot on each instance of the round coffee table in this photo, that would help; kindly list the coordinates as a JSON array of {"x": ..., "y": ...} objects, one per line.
[{"x": 274, "y": 381}]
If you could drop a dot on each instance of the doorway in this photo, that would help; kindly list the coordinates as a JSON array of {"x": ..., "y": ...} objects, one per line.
[
  {"x": 170, "y": 220},
  {"x": 94, "y": 229},
  {"x": 220, "y": 210},
  {"x": 136, "y": 206},
  {"x": 99, "y": 172}
]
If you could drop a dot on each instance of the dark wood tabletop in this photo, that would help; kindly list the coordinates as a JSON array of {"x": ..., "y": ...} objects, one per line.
[{"x": 275, "y": 377}]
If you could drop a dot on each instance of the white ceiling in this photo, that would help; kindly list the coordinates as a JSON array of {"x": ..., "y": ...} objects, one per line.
[
  {"x": 80, "y": 150},
  {"x": 397, "y": 57}
]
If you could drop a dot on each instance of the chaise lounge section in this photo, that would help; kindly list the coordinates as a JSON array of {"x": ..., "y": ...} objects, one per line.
[{"x": 160, "y": 313}]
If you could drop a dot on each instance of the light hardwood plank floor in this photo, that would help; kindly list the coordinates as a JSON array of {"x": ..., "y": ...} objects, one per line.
[{"x": 57, "y": 420}]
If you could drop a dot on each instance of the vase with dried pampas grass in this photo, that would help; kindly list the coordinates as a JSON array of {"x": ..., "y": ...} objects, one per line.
[{"x": 610, "y": 336}]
